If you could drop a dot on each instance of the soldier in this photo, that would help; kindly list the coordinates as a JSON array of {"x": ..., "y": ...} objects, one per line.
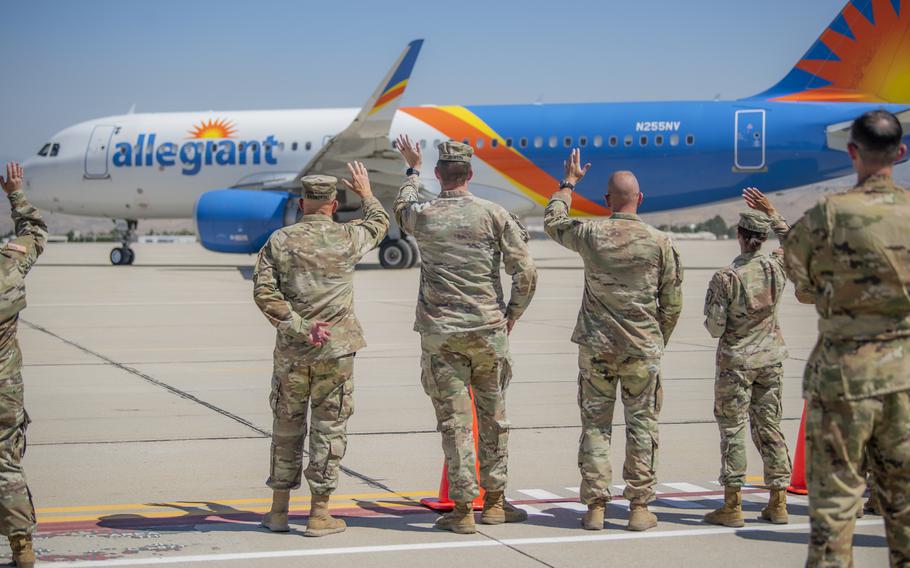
[
  {"x": 741, "y": 310},
  {"x": 851, "y": 254},
  {"x": 303, "y": 283},
  {"x": 464, "y": 322},
  {"x": 631, "y": 304},
  {"x": 17, "y": 512}
]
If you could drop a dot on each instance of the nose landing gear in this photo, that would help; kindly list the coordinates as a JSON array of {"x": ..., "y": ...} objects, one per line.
[{"x": 124, "y": 255}]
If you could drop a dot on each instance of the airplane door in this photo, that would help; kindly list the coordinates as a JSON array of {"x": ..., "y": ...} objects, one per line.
[
  {"x": 96, "y": 155},
  {"x": 749, "y": 144}
]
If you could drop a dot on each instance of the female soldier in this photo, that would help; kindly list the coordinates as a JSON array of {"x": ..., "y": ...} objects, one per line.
[{"x": 741, "y": 310}]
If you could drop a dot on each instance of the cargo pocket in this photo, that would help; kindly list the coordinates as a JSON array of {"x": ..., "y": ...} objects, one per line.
[
  {"x": 658, "y": 394},
  {"x": 12, "y": 412},
  {"x": 427, "y": 379},
  {"x": 275, "y": 394}
]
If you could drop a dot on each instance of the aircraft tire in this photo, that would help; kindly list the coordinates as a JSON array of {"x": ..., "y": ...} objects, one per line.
[
  {"x": 131, "y": 256},
  {"x": 415, "y": 259},
  {"x": 395, "y": 254},
  {"x": 121, "y": 256}
]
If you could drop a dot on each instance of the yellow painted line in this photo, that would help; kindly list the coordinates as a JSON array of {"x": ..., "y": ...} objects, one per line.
[{"x": 180, "y": 513}]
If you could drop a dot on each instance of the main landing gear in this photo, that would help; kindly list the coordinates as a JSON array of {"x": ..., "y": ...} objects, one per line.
[
  {"x": 124, "y": 255},
  {"x": 399, "y": 253}
]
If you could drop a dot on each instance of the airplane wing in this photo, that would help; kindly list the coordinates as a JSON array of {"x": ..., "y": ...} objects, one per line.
[
  {"x": 366, "y": 139},
  {"x": 839, "y": 134}
]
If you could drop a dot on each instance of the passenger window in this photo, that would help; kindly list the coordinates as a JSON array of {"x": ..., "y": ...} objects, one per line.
[
  {"x": 674, "y": 140},
  {"x": 567, "y": 141},
  {"x": 436, "y": 143},
  {"x": 44, "y": 149},
  {"x": 690, "y": 139},
  {"x": 294, "y": 147},
  {"x": 552, "y": 141},
  {"x": 538, "y": 142},
  {"x": 582, "y": 141},
  {"x": 465, "y": 141},
  {"x": 479, "y": 143},
  {"x": 55, "y": 149},
  {"x": 598, "y": 141},
  {"x": 659, "y": 140},
  {"x": 308, "y": 146},
  {"x": 240, "y": 147},
  {"x": 643, "y": 141},
  {"x": 508, "y": 142},
  {"x": 494, "y": 142},
  {"x": 614, "y": 141},
  {"x": 627, "y": 141},
  {"x": 523, "y": 142},
  {"x": 423, "y": 144}
]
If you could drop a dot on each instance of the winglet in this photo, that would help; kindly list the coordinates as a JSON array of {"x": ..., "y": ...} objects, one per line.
[{"x": 380, "y": 107}]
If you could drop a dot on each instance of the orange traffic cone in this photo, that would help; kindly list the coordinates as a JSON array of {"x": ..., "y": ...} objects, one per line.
[
  {"x": 798, "y": 477},
  {"x": 443, "y": 503}
]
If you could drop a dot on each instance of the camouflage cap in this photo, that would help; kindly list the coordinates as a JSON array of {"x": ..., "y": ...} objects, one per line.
[
  {"x": 755, "y": 221},
  {"x": 319, "y": 188},
  {"x": 452, "y": 151}
]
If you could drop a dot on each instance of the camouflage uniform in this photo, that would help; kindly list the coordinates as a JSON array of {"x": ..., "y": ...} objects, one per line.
[
  {"x": 741, "y": 310},
  {"x": 304, "y": 274},
  {"x": 631, "y": 303},
  {"x": 17, "y": 513},
  {"x": 462, "y": 317},
  {"x": 851, "y": 252}
]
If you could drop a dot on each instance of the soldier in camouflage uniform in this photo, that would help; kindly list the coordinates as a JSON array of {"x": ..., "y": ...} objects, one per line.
[
  {"x": 303, "y": 283},
  {"x": 741, "y": 310},
  {"x": 631, "y": 303},
  {"x": 851, "y": 254},
  {"x": 464, "y": 322},
  {"x": 17, "y": 513}
]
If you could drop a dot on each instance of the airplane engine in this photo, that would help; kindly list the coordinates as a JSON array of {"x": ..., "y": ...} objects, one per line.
[{"x": 240, "y": 220}]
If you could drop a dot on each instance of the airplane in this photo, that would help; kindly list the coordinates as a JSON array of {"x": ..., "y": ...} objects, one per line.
[{"x": 238, "y": 173}]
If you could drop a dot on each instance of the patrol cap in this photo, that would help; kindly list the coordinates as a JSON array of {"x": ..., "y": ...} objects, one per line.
[
  {"x": 755, "y": 221},
  {"x": 452, "y": 151},
  {"x": 319, "y": 188}
]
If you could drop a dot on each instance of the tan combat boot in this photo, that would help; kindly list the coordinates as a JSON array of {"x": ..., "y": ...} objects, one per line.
[
  {"x": 731, "y": 514},
  {"x": 496, "y": 510},
  {"x": 776, "y": 511},
  {"x": 594, "y": 518},
  {"x": 459, "y": 520},
  {"x": 276, "y": 520},
  {"x": 321, "y": 523},
  {"x": 640, "y": 518},
  {"x": 23, "y": 553}
]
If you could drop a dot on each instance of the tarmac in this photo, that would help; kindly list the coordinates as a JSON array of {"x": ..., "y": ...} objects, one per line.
[{"x": 148, "y": 390}]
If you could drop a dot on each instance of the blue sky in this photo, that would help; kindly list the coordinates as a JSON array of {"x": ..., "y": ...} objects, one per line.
[{"x": 69, "y": 61}]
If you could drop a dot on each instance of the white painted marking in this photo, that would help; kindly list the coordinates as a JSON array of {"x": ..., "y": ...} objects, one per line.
[
  {"x": 546, "y": 495},
  {"x": 687, "y": 488},
  {"x": 533, "y": 511},
  {"x": 574, "y": 489},
  {"x": 485, "y": 543}
]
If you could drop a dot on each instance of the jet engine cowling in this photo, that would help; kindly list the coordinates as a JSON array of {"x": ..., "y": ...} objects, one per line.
[{"x": 241, "y": 220}]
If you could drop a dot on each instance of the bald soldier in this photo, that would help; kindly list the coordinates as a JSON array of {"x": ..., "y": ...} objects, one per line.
[
  {"x": 631, "y": 303},
  {"x": 464, "y": 320},
  {"x": 850, "y": 255},
  {"x": 303, "y": 283},
  {"x": 741, "y": 311},
  {"x": 17, "y": 512}
]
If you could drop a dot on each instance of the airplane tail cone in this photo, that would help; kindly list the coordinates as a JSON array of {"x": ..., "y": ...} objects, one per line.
[
  {"x": 798, "y": 477},
  {"x": 443, "y": 502}
]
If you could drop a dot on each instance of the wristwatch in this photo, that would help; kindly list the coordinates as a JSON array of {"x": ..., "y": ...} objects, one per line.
[
  {"x": 564, "y": 184},
  {"x": 412, "y": 172}
]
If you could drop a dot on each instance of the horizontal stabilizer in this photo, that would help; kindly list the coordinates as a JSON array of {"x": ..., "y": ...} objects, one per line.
[{"x": 839, "y": 134}]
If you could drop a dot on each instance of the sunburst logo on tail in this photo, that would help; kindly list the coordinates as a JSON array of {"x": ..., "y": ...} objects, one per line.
[
  {"x": 213, "y": 128},
  {"x": 862, "y": 56}
]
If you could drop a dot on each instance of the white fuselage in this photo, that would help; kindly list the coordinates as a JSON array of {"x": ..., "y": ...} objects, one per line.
[{"x": 143, "y": 166}]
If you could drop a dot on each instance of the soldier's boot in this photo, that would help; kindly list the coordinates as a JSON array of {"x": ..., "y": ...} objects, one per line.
[
  {"x": 459, "y": 520},
  {"x": 776, "y": 511},
  {"x": 640, "y": 518},
  {"x": 321, "y": 523},
  {"x": 23, "y": 553},
  {"x": 594, "y": 518},
  {"x": 731, "y": 514},
  {"x": 276, "y": 520},
  {"x": 496, "y": 510}
]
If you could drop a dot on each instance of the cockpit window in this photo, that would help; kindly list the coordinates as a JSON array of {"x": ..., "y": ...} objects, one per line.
[
  {"x": 44, "y": 149},
  {"x": 55, "y": 149}
]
